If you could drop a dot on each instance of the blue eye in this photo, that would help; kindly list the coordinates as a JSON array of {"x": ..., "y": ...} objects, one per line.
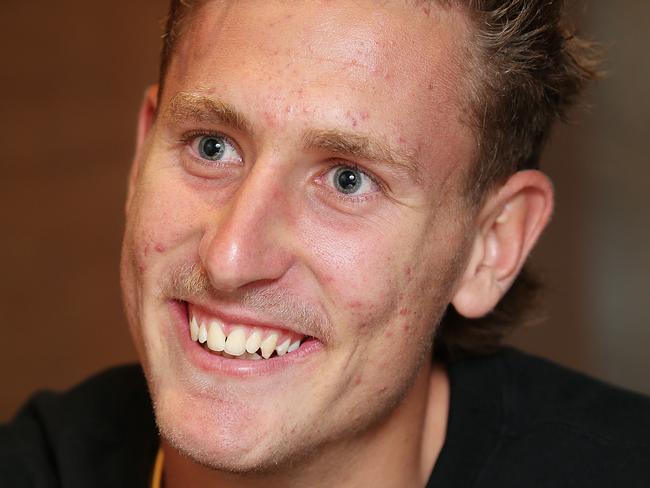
[
  {"x": 216, "y": 148},
  {"x": 351, "y": 181}
]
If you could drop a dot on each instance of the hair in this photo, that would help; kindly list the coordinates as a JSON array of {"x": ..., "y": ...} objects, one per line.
[{"x": 526, "y": 68}]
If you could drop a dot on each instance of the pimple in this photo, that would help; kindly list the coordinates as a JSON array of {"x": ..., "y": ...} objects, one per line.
[
  {"x": 408, "y": 271},
  {"x": 403, "y": 311},
  {"x": 357, "y": 380},
  {"x": 389, "y": 333},
  {"x": 365, "y": 115},
  {"x": 159, "y": 248},
  {"x": 269, "y": 118},
  {"x": 406, "y": 327},
  {"x": 355, "y": 304}
]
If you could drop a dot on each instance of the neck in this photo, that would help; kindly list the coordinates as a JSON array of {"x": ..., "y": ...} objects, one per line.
[{"x": 400, "y": 451}]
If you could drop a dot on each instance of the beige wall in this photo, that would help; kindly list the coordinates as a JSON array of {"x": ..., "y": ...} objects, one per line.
[{"x": 72, "y": 76}]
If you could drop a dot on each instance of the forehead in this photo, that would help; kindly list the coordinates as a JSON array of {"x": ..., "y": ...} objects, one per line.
[{"x": 400, "y": 63}]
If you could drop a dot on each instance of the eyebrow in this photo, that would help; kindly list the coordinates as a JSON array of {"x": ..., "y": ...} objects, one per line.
[
  {"x": 201, "y": 108},
  {"x": 358, "y": 146}
]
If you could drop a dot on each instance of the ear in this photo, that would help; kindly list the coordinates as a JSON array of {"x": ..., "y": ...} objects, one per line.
[
  {"x": 509, "y": 224},
  {"x": 146, "y": 118}
]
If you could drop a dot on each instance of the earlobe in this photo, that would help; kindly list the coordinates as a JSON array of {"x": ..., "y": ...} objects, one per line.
[
  {"x": 146, "y": 118},
  {"x": 509, "y": 225}
]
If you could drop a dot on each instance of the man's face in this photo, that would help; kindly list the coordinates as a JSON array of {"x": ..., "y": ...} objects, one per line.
[{"x": 302, "y": 178}]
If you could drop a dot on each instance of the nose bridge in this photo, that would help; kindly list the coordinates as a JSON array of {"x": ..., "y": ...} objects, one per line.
[{"x": 247, "y": 241}]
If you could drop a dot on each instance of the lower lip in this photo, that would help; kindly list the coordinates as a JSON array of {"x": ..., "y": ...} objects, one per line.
[{"x": 213, "y": 363}]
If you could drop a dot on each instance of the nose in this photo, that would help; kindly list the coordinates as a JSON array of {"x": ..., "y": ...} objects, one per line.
[{"x": 248, "y": 240}]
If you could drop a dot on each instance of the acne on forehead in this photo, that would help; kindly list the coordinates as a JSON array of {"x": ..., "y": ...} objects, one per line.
[
  {"x": 350, "y": 35},
  {"x": 416, "y": 66}
]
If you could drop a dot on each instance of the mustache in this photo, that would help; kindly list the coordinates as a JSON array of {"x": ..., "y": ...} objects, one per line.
[{"x": 190, "y": 282}]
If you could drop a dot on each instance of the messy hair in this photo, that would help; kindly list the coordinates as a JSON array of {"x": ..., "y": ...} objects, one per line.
[{"x": 526, "y": 68}]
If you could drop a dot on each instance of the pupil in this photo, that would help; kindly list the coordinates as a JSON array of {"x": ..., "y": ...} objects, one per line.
[
  {"x": 348, "y": 180},
  {"x": 212, "y": 148}
]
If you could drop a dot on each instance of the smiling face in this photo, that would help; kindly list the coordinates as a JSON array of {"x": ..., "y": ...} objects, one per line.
[{"x": 301, "y": 184}]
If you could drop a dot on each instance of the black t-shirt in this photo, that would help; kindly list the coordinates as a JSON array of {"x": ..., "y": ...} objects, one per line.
[{"x": 514, "y": 421}]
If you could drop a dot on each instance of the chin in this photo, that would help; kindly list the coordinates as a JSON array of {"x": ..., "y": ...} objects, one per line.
[{"x": 221, "y": 435}]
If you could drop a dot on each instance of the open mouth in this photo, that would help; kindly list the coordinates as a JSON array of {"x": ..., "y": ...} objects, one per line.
[{"x": 240, "y": 341}]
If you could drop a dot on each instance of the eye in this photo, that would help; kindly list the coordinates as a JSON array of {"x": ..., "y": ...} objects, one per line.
[
  {"x": 216, "y": 148},
  {"x": 351, "y": 181}
]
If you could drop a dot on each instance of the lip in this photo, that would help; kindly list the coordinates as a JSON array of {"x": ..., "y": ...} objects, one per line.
[
  {"x": 212, "y": 363},
  {"x": 234, "y": 318}
]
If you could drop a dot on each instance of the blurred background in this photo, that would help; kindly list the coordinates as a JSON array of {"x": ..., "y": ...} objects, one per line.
[{"x": 72, "y": 75}]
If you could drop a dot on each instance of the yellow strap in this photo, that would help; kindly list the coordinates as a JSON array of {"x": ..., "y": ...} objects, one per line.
[{"x": 156, "y": 478}]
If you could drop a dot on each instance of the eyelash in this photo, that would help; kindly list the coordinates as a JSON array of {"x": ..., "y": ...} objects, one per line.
[
  {"x": 351, "y": 198},
  {"x": 189, "y": 137}
]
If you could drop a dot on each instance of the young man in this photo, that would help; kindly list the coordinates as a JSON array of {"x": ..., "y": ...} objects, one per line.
[{"x": 325, "y": 196}]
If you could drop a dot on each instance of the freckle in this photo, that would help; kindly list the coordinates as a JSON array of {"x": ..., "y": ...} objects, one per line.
[{"x": 159, "y": 248}]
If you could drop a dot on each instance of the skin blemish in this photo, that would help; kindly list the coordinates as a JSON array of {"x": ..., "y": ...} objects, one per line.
[
  {"x": 355, "y": 305},
  {"x": 365, "y": 115},
  {"x": 403, "y": 311},
  {"x": 357, "y": 380},
  {"x": 406, "y": 327},
  {"x": 159, "y": 248},
  {"x": 408, "y": 271}
]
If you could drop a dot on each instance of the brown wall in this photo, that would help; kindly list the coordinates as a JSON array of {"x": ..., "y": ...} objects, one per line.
[{"x": 73, "y": 73}]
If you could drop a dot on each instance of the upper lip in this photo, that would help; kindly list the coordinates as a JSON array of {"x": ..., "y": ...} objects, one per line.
[{"x": 245, "y": 318}]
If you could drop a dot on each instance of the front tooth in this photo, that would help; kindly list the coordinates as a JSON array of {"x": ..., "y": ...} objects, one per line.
[
  {"x": 283, "y": 348},
  {"x": 294, "y": 346},
  {"x": 254, "y": 341},
  {"x": 268, "y": 345},
  {"x": 236, "y": 342},
  {"x": 203, "y": 333},
  {"x": 252, "y": 356},
  {"x": 194, "y": 329},
  {"x": 216, "y": 337}
]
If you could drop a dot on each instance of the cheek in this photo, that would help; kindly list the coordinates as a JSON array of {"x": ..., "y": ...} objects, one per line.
[
  {"x": 161, "y": 218},
  {"x": 359, "y": 274}
]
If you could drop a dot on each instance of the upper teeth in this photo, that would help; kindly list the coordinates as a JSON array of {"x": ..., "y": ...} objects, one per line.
[{"x": 240, "y": 341}]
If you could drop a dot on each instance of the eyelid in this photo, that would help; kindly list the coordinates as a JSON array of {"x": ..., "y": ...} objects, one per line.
[
  {"x": 349, "y": 198},
  {"x": 347, "y": 164},
  {"x": 189, "y": 137}
]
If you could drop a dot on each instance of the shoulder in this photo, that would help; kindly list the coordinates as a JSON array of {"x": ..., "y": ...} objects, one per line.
[
  {"x": 558, "y": 424},
  {"x": 538, "y": 392},
  {"x": 103, "y": 423}
]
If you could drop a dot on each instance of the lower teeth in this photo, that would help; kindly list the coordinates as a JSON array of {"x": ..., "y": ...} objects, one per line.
[{"x": 245, "y": 356}]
